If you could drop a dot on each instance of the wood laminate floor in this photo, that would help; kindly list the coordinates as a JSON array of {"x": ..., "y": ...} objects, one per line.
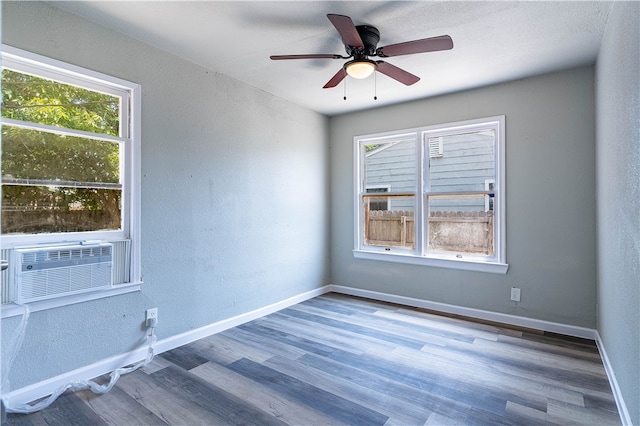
[{"x": 336, "y": 360}]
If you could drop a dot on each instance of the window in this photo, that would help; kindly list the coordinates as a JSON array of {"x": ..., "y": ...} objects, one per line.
[
  {"x": 70, "y": 157},
  {"x": 443, "y": 196}
]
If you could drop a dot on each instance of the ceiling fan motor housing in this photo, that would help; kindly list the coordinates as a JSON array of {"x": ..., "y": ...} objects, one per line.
[{"x": 370, "y": 37}]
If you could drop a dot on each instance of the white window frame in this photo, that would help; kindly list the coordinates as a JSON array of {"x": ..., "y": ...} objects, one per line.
[
  {"x": 130, "y": 140},
  {"x": 420, "y": 256}
]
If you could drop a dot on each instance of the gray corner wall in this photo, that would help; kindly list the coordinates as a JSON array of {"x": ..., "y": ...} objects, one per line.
[
  {"x": 618, "y": 195},
  {"x": 550, "y": 199},
  {"x": 234, "y": 197}
]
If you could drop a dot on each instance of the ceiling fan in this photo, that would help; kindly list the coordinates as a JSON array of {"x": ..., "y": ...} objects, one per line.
[{"x": 361, "y": 43}]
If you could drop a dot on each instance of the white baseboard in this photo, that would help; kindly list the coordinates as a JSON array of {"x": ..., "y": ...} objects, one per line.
[
  {"x": 625, "y": 417},
  {"x": 554, "y": 327},
  {"x": 217, "y": 327},
  {"x": 46, "y": 387}
]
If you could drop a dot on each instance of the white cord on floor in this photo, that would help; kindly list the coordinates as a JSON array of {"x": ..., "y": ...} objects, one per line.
[{"x": 76, "y": 384}]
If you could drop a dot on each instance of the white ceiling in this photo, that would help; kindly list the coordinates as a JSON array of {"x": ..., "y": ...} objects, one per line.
[{"x": 493, "y": 42}]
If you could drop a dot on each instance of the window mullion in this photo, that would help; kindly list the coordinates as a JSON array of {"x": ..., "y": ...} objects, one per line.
[
  {"x": 461, "y": 193},
  {"x": 358, "y": 179},
  {"x": 420, "y": 222},
  {"x": 60, "y": 183},
  {"x": 60, "y": 130}
]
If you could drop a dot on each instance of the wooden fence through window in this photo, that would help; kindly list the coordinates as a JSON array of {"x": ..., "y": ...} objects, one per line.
[
  {"x": 450, "y": 231},
  {"x": 39, "y": 221}
]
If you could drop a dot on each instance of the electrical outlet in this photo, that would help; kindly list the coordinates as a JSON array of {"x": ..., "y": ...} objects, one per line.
[
  {"x": 515, "y": 294},
  {"x": 152, "y": 317}
]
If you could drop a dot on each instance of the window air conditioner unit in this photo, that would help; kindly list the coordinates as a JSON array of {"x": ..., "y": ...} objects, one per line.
[{"x": 48, "y": 272}]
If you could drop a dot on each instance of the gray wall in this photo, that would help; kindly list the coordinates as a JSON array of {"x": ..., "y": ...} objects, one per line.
[
  {"x": 234, "y": 197},
  {"x": 618, "y": 194},
  {"x": 550, "y": 198}
]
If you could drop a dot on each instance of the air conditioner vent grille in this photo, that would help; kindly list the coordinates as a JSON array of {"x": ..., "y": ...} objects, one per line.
[
  {"x": 47, "y": 272},
  {"x": 56, "y": 254}
]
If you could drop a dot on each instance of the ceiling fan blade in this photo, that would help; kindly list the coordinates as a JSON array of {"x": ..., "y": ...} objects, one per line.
[
  {"x": 336, "y": 79},
  {"x": 396, "y": 73},
  {"x": 432, "y": 44},
  {"x": 311, "y": 56},
  {"x": 346, "y": 29}
]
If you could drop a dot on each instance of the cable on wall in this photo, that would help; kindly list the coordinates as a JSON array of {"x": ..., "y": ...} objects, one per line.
[{"x": 75, "y": 384}]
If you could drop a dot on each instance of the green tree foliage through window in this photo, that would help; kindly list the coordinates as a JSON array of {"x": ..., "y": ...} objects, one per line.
[
  {"x": 46, "y": 173},
  {"x": 38, "y": 100}
]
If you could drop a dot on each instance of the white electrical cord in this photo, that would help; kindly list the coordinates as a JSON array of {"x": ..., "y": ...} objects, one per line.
[
  {"x": 14, "y": 345},
  {"x": 76, "y": 384}
]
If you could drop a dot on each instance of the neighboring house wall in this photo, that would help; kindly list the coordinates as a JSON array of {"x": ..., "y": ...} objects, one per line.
[
  {"x": 465, "y": 163},
  {"x": 234, "y": 216},
  {"x": 618, "y": 194},
  {"x": 393, "y": 167},
  {"x": 550, "y": 199}
]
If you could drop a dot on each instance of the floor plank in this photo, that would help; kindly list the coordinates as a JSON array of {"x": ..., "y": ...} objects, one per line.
[
  {"x": 260, "y": 396},
  {"x": 363, "y": 393},
  {"x": 212, "y": 398},
  {"x": 127, "y": 410},
  {"x": 167, "y": 404},
  {"x": 343, "y": 410}
]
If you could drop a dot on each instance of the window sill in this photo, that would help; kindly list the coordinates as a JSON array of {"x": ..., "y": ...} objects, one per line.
[
  {"x": 464, "y": 265},
  {"x": 12, "y": 309}
]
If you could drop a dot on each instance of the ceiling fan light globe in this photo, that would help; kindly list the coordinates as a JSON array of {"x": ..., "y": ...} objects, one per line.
[{"x": 360, "y": 69}]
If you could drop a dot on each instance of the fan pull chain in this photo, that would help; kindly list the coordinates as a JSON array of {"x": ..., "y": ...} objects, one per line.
[
  {"x": 375, "y": 86},
  {"x": 345, "y": 90}
]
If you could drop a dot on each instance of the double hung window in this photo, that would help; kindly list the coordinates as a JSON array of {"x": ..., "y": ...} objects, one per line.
[
  {"x": 70, "y": 157},
  {"x": 443, "y": 198}
]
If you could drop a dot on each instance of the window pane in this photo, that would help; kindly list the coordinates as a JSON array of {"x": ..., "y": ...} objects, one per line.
[
  {"x": 392, "y": 227},
  {"x": 54, "y": 183},
  {"x": 390, "y": 165},
  {"x": 40, "y": 209},
  {"x": 465, "y": 163},
  {"x": 38, "y": 100},
  {"x": 31, "y": 154},
  {"x": 460, "y": 225}
]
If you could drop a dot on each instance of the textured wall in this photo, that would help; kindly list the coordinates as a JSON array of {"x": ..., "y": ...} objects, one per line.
[
  {"x": 618, "y": 194},
  {"x": 550, "y": 200},
  {"x": 234, "y": 197}
]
